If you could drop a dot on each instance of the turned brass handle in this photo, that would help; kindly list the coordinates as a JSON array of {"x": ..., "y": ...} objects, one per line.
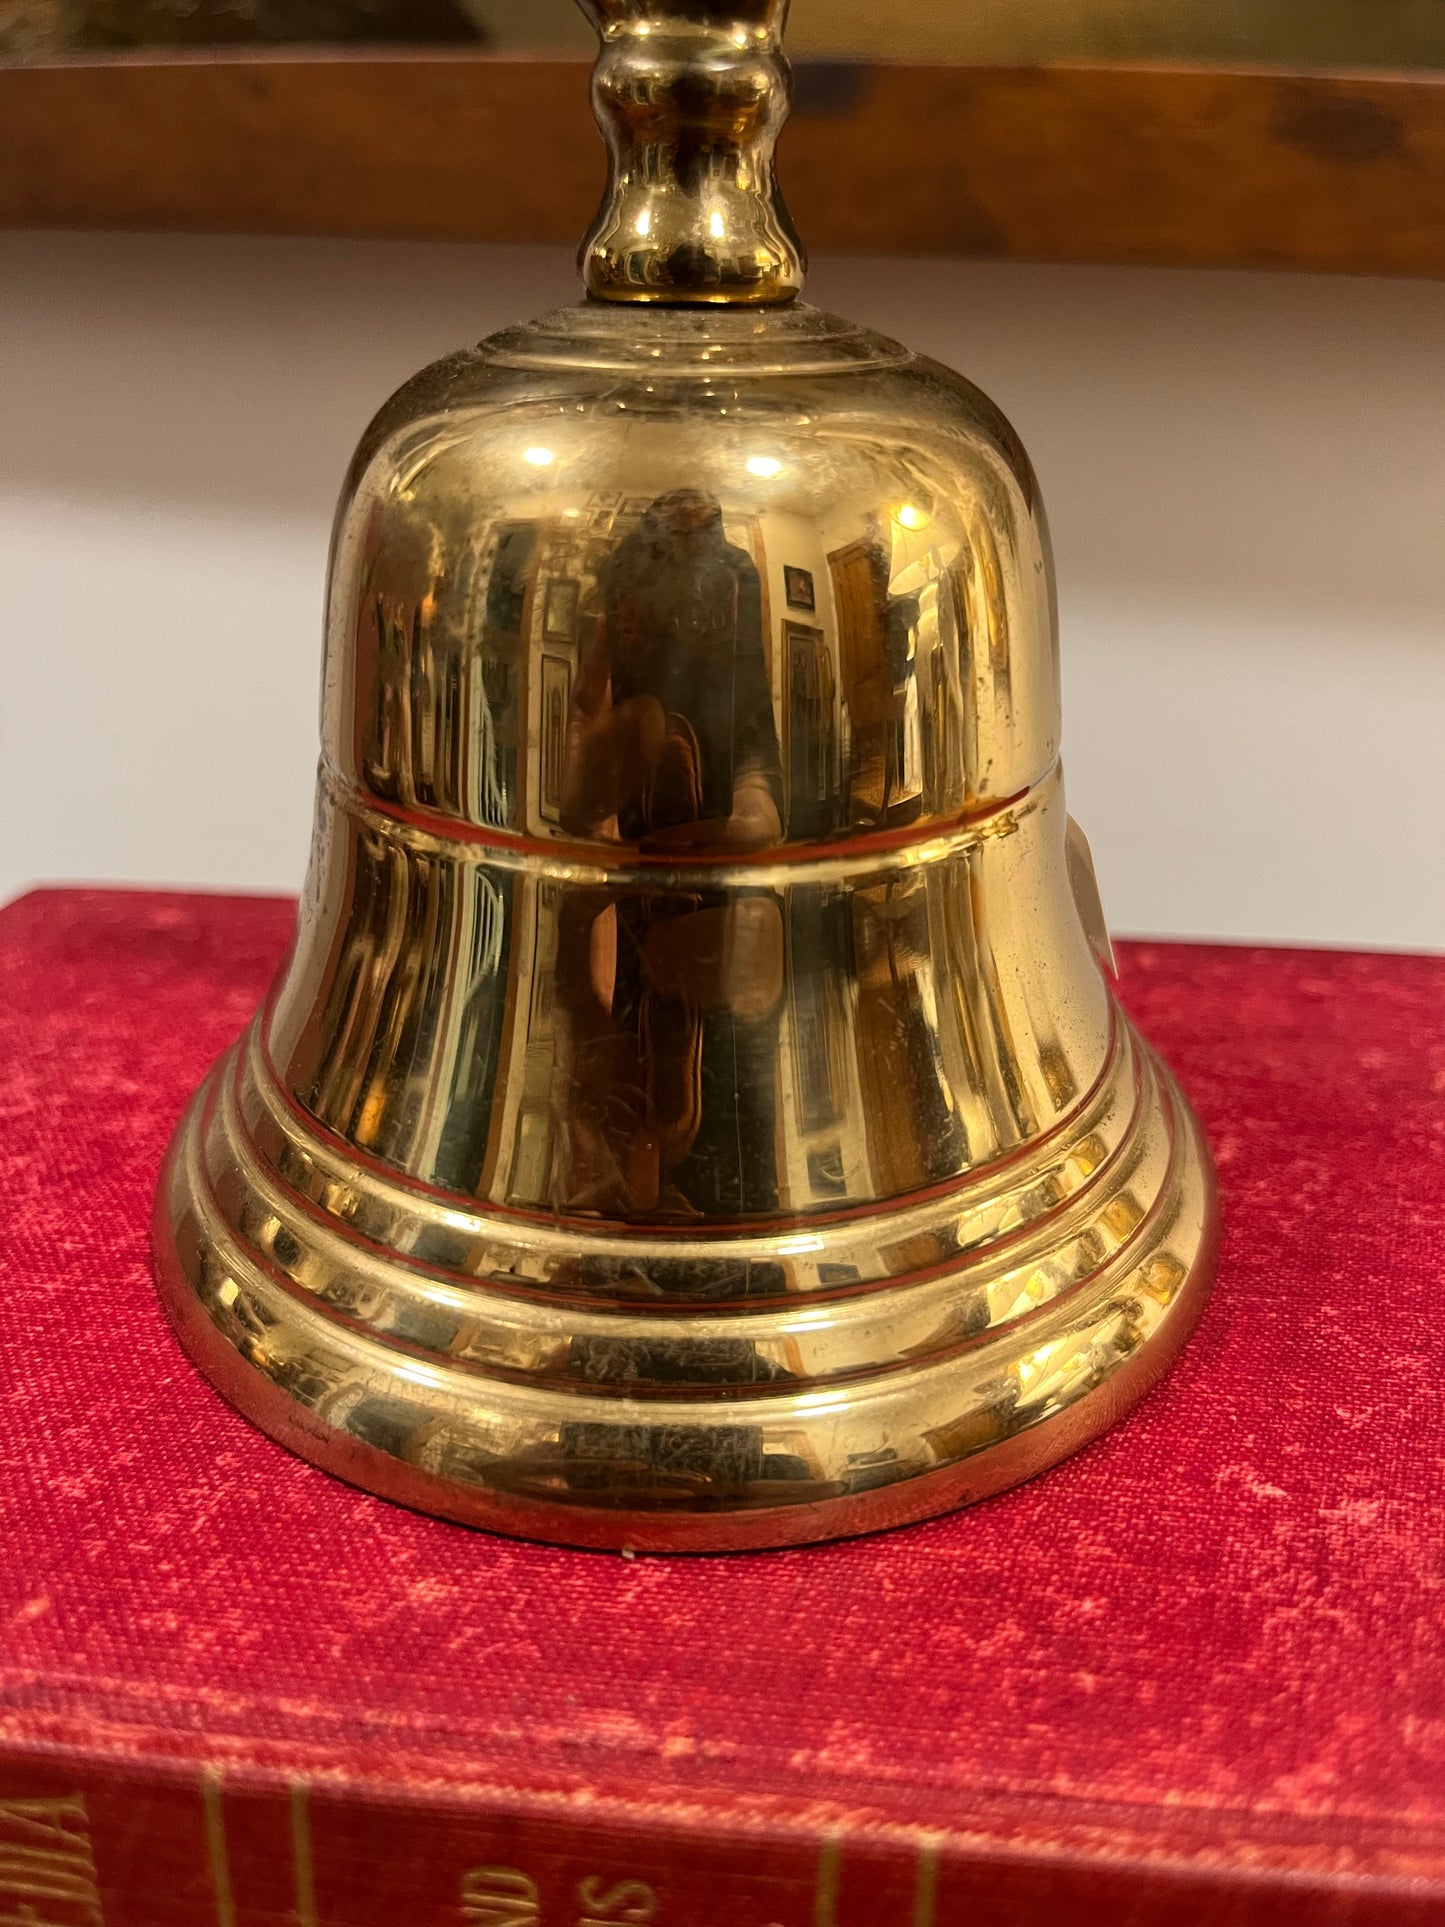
[
  {"x": 690, "y": 101},
  {"x": 766, "y": 16}
]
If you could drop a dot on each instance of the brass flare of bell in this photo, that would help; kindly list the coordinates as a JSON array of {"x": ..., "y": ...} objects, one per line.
[{"x": 694, "y": 1113}]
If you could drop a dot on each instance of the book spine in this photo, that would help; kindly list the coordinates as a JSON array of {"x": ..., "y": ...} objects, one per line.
[{"x": 94, "y": 1842}]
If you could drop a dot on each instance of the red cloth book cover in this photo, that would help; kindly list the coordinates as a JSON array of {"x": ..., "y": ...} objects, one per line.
[{"x": 1195, "y": 1674}]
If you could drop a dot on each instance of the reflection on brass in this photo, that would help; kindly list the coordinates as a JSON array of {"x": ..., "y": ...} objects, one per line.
[{"x": 694, "y": 1113}]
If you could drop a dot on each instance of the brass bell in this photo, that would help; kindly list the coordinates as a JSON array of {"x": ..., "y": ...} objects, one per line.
[{"x": 694, "y": 1113}]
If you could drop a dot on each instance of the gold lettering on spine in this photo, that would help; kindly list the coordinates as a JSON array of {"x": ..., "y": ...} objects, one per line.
[
  {"x": 499, "y": 1897},
  {"x": 630, "y": 1901},
  {"x": 304, "y": 1871},
  {"x": 925, "y": 1885},
  {"x": 216, "y": 1848},
  {"x": 825, "y": 1894},
  {"x": 47, "y": 1868}
]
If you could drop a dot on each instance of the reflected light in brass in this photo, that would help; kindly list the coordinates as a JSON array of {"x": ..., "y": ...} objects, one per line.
[{"x": 694, "y": 1113}]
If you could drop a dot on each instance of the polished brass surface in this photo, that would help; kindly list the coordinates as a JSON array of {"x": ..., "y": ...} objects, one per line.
[
  {"x": 690, "y": 97},
  {"x": 694, "y": 1113}
]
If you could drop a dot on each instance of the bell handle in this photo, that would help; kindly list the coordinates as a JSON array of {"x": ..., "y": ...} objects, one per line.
[
  {"x": 767, "y": 16},
  {"x": 690, "y": 97}
]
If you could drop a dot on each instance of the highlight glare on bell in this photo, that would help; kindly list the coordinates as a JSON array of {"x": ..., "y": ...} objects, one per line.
[{"x": 694, "y": 1113}]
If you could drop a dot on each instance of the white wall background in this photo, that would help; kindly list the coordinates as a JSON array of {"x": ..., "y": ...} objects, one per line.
[{"x": 1245, "y": 476}]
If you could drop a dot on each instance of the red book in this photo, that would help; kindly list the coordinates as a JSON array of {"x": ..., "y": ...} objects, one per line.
[{"x": 1197, "y": 1674}]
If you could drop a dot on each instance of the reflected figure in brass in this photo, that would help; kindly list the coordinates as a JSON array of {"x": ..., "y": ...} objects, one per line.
[
  {"x": 695, "y": 1113},
  {"x": 673, "y": 747}
]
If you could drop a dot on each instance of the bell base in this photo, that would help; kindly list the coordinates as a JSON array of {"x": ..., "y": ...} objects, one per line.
[{"x": 682, "y": 1468}]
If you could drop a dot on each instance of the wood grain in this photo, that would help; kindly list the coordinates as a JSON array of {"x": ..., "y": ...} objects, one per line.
[{"x": 1342, "y": 172}]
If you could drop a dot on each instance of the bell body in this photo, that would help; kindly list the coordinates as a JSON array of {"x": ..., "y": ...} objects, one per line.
[{"x": 695, "y": 1113}]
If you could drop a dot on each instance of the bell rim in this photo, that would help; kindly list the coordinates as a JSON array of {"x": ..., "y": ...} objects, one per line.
[{"x": 597, "y": 1514}]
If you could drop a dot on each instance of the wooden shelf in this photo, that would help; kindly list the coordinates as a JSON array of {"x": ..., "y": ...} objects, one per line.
[{"x": 1088, "y": 162}]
